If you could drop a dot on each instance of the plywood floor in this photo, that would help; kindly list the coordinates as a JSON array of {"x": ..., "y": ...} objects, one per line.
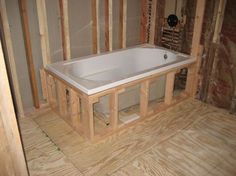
[{"x": 191, "y": 138}]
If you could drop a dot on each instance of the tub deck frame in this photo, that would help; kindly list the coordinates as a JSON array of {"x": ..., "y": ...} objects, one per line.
[{"x": 76, "y": 107}]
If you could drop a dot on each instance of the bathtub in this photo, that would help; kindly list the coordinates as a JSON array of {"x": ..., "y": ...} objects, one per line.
[{"x": 97, "y": 73}]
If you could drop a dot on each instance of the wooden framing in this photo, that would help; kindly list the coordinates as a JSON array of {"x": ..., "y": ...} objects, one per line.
[
  {"x": 153, "y": 22},
  {"x": 170, "y": 78},
  {"x": 65, "y": 33},
  {"x": 28, "y": 49},
  {"x": 43, "y": 31},
  {"x": 144, "y": 95},
  {"x": 123, "y": 23},
  {"x": 191, "y": 86},
  {"x": 43, "y": 83},
  {"x": 77, "y": 108},
  {"x": 108, "y": 25},
  {"x": 11, "y": 58},
  {"x": 143, "y": 31},
  {"x": 219, "y": 20},
  {"x": 85, "y": 120},
  {"x": 197, "y": 27},
  {"x": 95, "y": 29},
  {"x": 10, "y": 137}
]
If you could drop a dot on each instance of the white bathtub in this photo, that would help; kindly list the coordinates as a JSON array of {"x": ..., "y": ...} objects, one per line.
[{"x": 97, "y": 73}]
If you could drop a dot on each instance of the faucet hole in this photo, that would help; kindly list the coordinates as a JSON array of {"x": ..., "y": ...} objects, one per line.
[{"x": 165, "y": 56}]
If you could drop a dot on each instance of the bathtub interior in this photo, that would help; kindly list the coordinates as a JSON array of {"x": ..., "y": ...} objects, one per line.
[
  {"x": 100, "y": 72},
  {"x": 125, "y": 62}
]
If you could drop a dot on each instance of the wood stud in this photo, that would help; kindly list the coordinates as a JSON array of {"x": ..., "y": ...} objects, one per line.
[
  {"x": 219, "y": 20},
  {"x": 123, "y": 23},
  {"x": 152, "y": 22},
  {"x": 8, "y": 118},
  {"x": 43, "y": 31},
  {"x": 108, "y": 25},
  {"x": 196, "y": 45},
  {"x": 95, "y": 28},
  {"x": 144, "y": 97},
  {"x": 63, "y": 4},
  {"x": 28, "y": 50},
  {"x": 143, "y": 30},
  {"x": 170, "y": 80},
  {"x": 11, "y": 58}
]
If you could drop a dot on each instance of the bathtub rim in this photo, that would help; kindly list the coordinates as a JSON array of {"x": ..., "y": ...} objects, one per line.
[{"x": 127, "y": 80}]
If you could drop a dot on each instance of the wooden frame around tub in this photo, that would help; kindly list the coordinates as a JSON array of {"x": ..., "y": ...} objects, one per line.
[{"x": 76, "y": 107}]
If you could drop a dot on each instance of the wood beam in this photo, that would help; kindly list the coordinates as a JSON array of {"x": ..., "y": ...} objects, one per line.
[
  {"x": 43, "y": 77},
  {"x": 108, "y": 25},
  {"x": 114, "y": 110},
  {"x": 8, "y": 117},
  {"x": 170, "y": 80},
  {"x": 144, "y": 98},
  {"x": 43, "y": 31},
  {"x": 11, "y": 58},
  {"x": 197, "y": 30},
  {"x": 219, "y": 20},
  {"x": 123, "y": 23},
  {"x": 88, "y": 121},
  {"x": 153, "y": 23},
  {"x": 65, "y": 33},
  {"x": 143, "y": 31},
  {"x": 95, "y": 29},
  {"x": 198, "y": 65},
  {"x": 62, "y": 100},
  {"x": 75, "y": 109},
  {"x": 200, "y": 8},
  {"x": 28, "y": 50}
]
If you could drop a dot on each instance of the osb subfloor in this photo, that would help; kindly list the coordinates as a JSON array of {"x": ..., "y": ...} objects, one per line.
[{"x": 191, "y": 138}]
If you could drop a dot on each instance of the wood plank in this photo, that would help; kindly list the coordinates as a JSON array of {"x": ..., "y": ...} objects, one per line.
[
  {"x": 62, "y": 100},
  {"x": 6, "y": 164},
  {"x": 198, "y": 65},
  {"x": 50, "y": 86},
  {"x": 144, "y": 98},
  {"x": 65, "y": 32},
  {"x": 198, "y": 139},
  {"x": 114, "y": 110},
  {"x": 143, "y": 30},
  {"x": 43, "y": 31},
  {"x": 28, "y": 50},
  {"x": 153, "y": 22},
  {"x": 95, "y": 29},
  {"x": 8, "y": 117},
  {"x": 170, "y": 80},
  {"x": 108, "y": 25},
  {"x": 196, "y": 42},
  {"x": 219, "y": 21},
  {"x": 197, "y": 30},
  {"x": 43, "y": 77},
  {"x": 88, "y": 121},
  {"x": 43, "y": 156},
  {"x": 123, "y": 23},
  {"x": 11, "y": 58},
  {"x": 75, "y": 109}
]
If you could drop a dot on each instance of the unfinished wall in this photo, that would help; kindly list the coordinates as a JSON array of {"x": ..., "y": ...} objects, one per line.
[
  {"x": 222, "y": 78},
  {"x": 19, "y": 51},
  {"x": 80, "y": 23}
]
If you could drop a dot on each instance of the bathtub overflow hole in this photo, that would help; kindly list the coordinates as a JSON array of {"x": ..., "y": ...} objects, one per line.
[{"x": 165, "y": 56}]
